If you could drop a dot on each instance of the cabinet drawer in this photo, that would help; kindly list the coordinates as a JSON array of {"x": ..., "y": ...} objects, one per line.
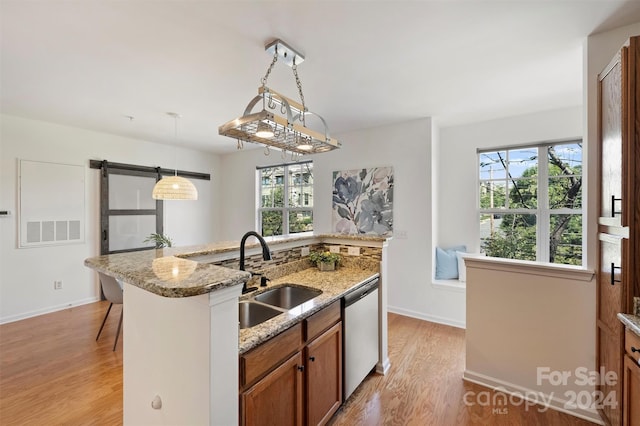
[
  {"x": 262, "y": 359},
  {"x": 320, "y": 321},
  {"x": 632, "y": 344}
]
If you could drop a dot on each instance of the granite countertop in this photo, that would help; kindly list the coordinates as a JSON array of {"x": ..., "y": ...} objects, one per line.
[
  {"x": 334, "y": 285},
  {"x": 169, "y": 272},
  {"x": 632, "y": 322},
  {"x": 159, "y": 272}
]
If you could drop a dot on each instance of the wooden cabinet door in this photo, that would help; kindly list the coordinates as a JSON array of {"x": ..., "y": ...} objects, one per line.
[
  {"x": 611, "y": 139},
  {"x": 277, "y": 398},
  {"x": 609, "y": 328},
  {"x": 611, "y": 281},
  {"x": 324, "y": 375},
  {"x": 619, "y": 93},
  {"x": 631, "y": 392}
]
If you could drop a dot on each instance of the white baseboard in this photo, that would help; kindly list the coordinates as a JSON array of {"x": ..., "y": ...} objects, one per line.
[
  {"x": 47, "y": 310},
  {"x": 426, "y": 317},
  {"x": 522, "y": 393},
  {"x": 383, "y": 367}
]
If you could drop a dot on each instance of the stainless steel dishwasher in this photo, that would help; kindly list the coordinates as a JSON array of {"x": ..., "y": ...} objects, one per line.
[{"x": 360, "y": 335}]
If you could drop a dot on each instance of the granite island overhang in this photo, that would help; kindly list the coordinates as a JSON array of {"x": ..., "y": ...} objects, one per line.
[{"x": 182, "y": 341}]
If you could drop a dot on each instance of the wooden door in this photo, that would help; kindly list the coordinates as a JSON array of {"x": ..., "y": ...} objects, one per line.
[
  {"x": 631, "y": 392},
  {"x": 276, "y": 399},
  {"x": 324, "y": 376}
]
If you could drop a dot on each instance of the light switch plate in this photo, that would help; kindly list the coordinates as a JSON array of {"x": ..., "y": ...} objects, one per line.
[
  {"x": 353, "y": 251},
  {"x": 334, "y": 249},
  {"x": 304, "y": 251}
]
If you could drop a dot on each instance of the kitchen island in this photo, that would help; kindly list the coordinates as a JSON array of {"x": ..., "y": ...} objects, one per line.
[{"x": 182, "y": 342}]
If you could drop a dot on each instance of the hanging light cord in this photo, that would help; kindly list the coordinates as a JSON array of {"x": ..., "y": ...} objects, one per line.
[{"x": 175, "y": 116}]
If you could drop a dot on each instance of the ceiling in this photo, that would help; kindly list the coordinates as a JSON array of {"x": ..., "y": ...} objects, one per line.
[{"x": 94, "y": 63}]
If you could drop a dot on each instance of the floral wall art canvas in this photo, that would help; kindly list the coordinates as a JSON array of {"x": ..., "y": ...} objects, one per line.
[{"x": 363, "y": 201}]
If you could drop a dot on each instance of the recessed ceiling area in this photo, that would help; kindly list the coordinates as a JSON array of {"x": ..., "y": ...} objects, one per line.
[{"x": 92, "y": 64}]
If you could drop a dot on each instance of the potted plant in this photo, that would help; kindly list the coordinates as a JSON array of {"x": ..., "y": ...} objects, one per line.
[
  {"x": 325, "y": 260},
  {"x": 159, "y": 239}
]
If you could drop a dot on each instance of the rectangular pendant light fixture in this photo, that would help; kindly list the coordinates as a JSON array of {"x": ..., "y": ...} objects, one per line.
[{"x": 282, "y": 122}]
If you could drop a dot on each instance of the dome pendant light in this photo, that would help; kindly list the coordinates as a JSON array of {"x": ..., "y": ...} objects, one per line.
[{"x": 174, "y": 187}]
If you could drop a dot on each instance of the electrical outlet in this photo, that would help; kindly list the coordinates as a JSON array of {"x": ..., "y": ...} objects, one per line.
[
  {"x": 400, "y": 234},
  {"x": 304, "y": 251},
  {"x": 353, "y": 251},
  {"x": 334, "y": 249},
  {"x": 57, "y": 285}
]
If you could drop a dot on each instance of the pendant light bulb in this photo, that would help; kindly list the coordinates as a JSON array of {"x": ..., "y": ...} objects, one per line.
[
  {"x": 303, "y": 144},
  {"x": 264, "y": 130}
]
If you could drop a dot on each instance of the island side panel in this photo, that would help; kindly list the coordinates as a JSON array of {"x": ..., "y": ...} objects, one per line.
[
  {"x": 224, "y": 369},
  {"x": 166, "y": 353}
]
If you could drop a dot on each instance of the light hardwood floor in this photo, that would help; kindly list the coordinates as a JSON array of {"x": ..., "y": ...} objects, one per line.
[
  {"x": 53, "y": 372},
  {"x": 424, "y": 386}
]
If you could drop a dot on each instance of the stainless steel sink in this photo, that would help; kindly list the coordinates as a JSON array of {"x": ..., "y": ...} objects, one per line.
[
  {"x": 287, "y": 296},
  {"x": 252, "y": 314}
]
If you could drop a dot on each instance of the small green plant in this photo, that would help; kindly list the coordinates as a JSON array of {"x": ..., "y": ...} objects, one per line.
[
  {"x": 324, "y": 257},
  {"x": 159, "y": 239}
]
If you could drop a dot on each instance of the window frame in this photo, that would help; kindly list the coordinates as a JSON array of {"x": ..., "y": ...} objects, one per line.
[
  {"x": 286, "y": 208},
  {"x": 543, "y": 212}
]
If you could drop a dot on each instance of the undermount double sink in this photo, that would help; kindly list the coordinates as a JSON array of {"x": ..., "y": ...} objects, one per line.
[{"x": 273, "y": 302}]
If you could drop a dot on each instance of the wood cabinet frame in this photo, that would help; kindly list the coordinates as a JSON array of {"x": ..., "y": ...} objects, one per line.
[
  {"x": 618, "y": 93},
  {"x": 305, "y": 360}
]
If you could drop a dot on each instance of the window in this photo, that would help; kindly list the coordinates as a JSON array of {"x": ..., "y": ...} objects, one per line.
[
  {"x": 532, "y": 209},
  {"x": 286, "y": 205}
]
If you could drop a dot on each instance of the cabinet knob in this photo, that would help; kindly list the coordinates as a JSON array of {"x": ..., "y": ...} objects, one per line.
[
  {"x": 634, "y": 349},
  {"x": 301, "y": 368},
  {"x": 312, "y": 358}
]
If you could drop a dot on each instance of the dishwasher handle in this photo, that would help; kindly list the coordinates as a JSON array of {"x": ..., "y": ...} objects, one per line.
[{"x": 360, "y": 293}]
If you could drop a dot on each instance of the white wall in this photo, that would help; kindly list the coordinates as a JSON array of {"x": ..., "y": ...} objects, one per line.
[
  {"x": 456, "y": 194},
  {"x": 435, "y": 194},
  {"x": 522, "y": 318},
  {"x": 455, "y": 182},
  {"x": 406, "y": 147},
  {"x": 511, "y": 312},
  {"x": 27, "y": 275}
]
